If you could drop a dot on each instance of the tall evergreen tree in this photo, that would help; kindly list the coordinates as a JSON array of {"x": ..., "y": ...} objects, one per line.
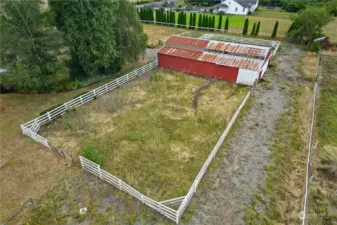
[
  {"x": 200, "y": 21},
  {"x": 227, "y": 24},
  {"x": 220, "y": 22},
  {"x": 273, "y": 35},
  {"x": 29, "y": 48},
  {"x": 253, "y": 30},
  {"x": 213, "y": 22},
  {"x": 102, "y": 34},
  {"x": 245, "y": 27},
  {"x": 191, "y": 21},
  {"x": 257, "y": 29}
]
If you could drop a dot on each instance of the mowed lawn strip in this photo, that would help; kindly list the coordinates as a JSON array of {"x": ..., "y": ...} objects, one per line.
[{"x": 148, "y": 133}]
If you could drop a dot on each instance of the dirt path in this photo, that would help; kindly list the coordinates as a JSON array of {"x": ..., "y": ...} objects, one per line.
[{"x": 241, "y": 169}]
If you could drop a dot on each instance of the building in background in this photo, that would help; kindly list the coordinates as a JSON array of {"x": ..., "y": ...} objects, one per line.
[
  {"x": 232, "y": 62},
  {"x": 237, "y": 7}
]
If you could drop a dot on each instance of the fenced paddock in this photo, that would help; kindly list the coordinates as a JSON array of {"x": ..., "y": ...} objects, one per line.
[{"x": 177, "y": 111}]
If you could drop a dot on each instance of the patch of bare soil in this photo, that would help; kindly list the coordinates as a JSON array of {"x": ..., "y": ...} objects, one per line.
[{"x": 241, "y": 168}]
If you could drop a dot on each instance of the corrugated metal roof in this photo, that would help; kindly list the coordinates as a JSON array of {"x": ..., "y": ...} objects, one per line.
[
  {"x": 187, "y": 41},
  {"x": 237, "y": 48},
  {"x": 216, "y": 58},
  {"x": 231, "y": 61},
  {"x": 180, "y": 52}
]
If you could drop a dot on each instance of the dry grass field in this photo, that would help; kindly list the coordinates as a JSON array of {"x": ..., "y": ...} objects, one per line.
[
  {"x": 153, "y": 134},
  {"x": 156, "y": 33}
]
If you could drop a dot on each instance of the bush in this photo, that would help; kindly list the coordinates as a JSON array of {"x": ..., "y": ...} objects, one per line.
[{"x": 90, "y": 153}]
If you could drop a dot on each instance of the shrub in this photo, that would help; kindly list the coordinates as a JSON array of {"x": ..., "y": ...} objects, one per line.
[
  {"x": 90, "y": 153},
  {"x": 273, "y": 35},
  {"x": 257, "y": 28},
  {"x": 245, "y": 27}
]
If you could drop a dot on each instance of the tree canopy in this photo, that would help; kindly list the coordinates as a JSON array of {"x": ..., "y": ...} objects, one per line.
[
  {"x": 102, "y": 34},
  {"x": 29, "y": 48},
  {"x": 309, "y": 24}
]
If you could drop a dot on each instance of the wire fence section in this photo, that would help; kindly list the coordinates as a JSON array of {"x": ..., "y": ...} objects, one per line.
[
  {"x": 121, "y": 185},
  {"x": 31, "y": 128}
]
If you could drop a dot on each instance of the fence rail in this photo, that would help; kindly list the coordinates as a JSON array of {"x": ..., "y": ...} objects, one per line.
[
  {"x": 203, "y": 170},
  {"x": 30, "y": 129},
  {"x": 121, "y": 185}
]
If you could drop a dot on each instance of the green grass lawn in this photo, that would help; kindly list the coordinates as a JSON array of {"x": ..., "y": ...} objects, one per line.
[
  {"x": 148, "y": 133},
  {"x": 268, "y": 19},
  {"x": 272, "y": 13}
]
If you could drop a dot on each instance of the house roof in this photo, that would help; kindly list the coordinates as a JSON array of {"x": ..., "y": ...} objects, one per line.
[
  {"x": 221, "y": 5},
  {"x": 246, "y": 3}
]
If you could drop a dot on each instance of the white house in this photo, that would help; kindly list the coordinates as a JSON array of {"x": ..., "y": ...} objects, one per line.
[{"x": 238, "y": 7}]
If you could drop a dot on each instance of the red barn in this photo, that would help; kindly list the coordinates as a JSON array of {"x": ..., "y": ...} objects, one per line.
[{"x": 237, "y": 63}]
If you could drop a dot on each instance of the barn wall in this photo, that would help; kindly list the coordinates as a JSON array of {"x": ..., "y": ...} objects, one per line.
[
  {"x": 247, "y": 77},
  {"x": 265, "y": 65},
  {"x": 198, "y": 67}
]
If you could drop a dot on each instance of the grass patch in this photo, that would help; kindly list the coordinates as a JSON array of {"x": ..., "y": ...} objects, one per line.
[
  {"x": 148, "y": 133},
  {"x": 323, "y": 198},
  {"x": 272, "y": 13},
  {"x": 61, "y": 205},
  {"x": 307, "y": 66}
]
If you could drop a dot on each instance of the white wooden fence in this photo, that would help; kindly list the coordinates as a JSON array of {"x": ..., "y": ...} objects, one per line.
[
  {"x": 121, "y": 185},
  {"x": 163, "y": 206},
  {"x": 30, "y": 129}
]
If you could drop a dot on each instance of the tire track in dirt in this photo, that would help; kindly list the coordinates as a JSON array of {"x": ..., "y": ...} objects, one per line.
[{"x": 241, "y": 168}]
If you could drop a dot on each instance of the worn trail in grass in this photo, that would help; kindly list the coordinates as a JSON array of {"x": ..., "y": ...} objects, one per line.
[{"x": 148, "y": 133}]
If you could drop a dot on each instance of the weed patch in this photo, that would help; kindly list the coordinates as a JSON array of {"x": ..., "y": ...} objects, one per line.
[{"x": 148, "y": 133}]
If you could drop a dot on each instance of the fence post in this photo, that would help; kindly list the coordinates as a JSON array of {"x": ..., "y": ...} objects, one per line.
[
  {"x": 65, "y": 106},
  {"x": 142, "y": 198},
  {"x": 94, "y": 92},
  {"x": 81, "y": 99},
  {"x": 81, "y": 162},
  {"x": 99, "y": 171},
  {"x": 48, "y": 114},
  {"x": 120, "y": 184},
  {"x": 106, "y": 87}
]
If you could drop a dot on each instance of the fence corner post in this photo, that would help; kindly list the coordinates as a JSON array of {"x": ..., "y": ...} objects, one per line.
[
  {"x": 99, "y": 171},
  {"x": 81, "y": 162}
]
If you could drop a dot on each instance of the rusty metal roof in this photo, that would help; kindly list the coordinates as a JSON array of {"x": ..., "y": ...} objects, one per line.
[
  {"x": 186, "y": 41},
  {"x": 220, "y": 46},
  {"x": 180, "y": 52},
  {"x": 232, "y": 61},
  {"x": 238, "y": 48},
  {"x": 216, "y": 58}
]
